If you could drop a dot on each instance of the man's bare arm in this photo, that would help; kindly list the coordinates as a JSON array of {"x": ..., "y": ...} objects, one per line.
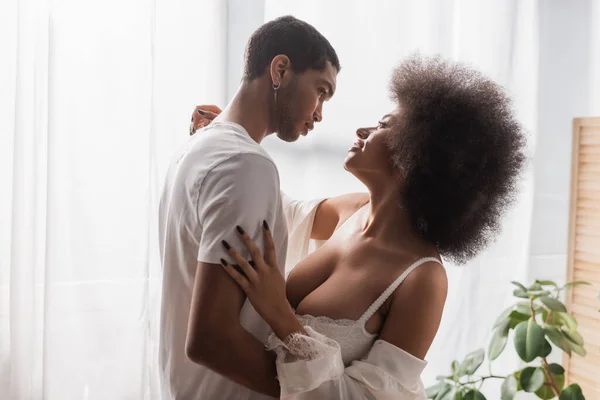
[
  {"x": 334, "y": 211},
  {"x": 216, "y": 338}
]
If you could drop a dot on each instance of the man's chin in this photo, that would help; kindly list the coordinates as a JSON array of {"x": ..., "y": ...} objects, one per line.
[{"x": 288, "y": 137}]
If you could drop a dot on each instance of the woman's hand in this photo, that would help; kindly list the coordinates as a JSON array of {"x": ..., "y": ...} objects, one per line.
[
  {"x": 263, "y": 283},
  {"x": 202, "y": 116}
]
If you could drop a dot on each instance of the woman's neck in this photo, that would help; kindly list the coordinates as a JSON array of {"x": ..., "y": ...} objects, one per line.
[{"x": 388, "y": 221}]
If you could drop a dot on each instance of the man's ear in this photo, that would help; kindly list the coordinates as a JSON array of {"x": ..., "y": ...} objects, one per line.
[{"x": 281, "y": 68}]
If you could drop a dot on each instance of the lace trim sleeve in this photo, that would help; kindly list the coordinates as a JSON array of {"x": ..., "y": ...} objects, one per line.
[{"x": 304, "y": 362}]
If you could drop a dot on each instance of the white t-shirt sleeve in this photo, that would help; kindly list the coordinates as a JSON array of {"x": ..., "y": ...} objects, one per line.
[{"x": 244, "y": 191}]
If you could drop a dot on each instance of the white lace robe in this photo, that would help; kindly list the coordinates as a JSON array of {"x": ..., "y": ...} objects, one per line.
[{"x": 311, "y": 367}]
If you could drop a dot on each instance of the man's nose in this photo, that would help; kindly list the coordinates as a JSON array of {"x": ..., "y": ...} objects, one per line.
[{"x": 318, "y": 114}]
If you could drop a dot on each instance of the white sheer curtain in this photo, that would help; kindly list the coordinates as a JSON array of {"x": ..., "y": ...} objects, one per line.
[
  {"x": 500, "y": 38},
  {"x": 95, "y": 98}
]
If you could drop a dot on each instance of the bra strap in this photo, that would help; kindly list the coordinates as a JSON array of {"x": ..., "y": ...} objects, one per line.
[{"x": 390, "y": 289}]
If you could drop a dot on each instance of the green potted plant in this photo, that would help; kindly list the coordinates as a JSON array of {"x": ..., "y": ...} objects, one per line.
[{"x": 536, "y": 320}]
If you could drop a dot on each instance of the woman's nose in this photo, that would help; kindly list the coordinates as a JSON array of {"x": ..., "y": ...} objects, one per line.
[{"x": 363, "y": 133}]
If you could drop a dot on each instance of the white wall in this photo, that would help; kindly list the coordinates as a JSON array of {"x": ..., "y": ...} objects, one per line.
[{"x": 565, "y": 76}]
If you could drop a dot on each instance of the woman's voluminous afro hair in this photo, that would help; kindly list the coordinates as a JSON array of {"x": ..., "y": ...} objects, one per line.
[{"x": 459, "y": 150}]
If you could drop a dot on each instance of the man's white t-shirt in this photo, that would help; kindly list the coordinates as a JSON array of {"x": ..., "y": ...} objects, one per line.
[{"x": 221, "y": 179}]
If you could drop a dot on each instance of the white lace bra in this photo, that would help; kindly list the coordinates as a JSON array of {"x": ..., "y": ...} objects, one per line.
[{"x": 353, "y": 338}]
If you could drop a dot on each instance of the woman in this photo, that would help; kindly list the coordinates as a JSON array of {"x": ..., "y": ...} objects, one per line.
[{"x": 363, "y": 309}]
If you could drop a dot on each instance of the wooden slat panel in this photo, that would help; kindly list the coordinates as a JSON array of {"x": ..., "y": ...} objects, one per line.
[
  {"x": 590, "y": 291},
  {"x": 589, "y": 388},
  {"x": 587, "y": 275},
  {"x": 587, "y": 204},
  {"x": 585, "y": 322},
  {"x": 589, "y": 158},
  {"x": 591, "y": 149},
  {"x": 591, "y": 302},
  {"x": 589, "y": 168},
  {"x": 579, "y": 309},
  {"x": 588, "y": 176},
  {"x": 588, "y": 295},
  {"x": 591, "y": 339},
  {"x": 590, "y": 126},
  {"x": 589, "y": 139},
  {"x": 584, "y": 369},
  {"x": 588, "y": 244},
  {"x": 587, "y": 230},
  {"x": 589, "y": 191},
  {"x": 584, "y": 253},
  {"x": 587, "y": 257}
]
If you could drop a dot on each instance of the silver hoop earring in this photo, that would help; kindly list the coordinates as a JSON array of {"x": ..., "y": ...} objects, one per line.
[{"x": 276, "y": 87}]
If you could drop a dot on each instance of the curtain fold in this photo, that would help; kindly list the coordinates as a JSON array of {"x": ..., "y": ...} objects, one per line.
[{"x": 98, "y": 98}]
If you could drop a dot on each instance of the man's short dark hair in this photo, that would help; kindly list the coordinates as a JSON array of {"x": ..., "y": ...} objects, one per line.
[{"x": 300, "y": 41}]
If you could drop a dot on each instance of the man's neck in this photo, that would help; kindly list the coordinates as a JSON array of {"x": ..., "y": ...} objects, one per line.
[{"x": 250, "y": 108}]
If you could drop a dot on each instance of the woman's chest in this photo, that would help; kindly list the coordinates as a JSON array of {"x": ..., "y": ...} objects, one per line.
[{"x": 341, "y": 281}]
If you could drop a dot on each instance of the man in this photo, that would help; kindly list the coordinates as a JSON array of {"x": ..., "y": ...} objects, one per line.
[{"x": 211, "y": 339}]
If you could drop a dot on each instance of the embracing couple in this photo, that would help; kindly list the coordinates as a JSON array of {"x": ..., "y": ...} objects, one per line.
[{"x": 365, "y": 286}]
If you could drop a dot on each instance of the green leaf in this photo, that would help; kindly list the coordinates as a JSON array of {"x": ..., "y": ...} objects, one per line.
[
  {"x": 503, "y": 316},
  {"x": 577, "y": 349},
  {"x": 535, "y": 286},
  {"x": 471, "y": 362},
  {"x": 576, "y": 283},
  {"x": 538, "y": 293},
  {"x": 519, "y": 285},
  {"x": 447, "y": 395},
  {"x": 454, "y": 367},
  {"x": 516, "y": 318},
  {"x": 553, "y": 304},
  {"x": 458, "y": 395},
  {"x": 554, "y": 318},
  {"x": 520, "y": 293},
  {"x": 546, "y": 349},
  {"x": 523, "y": 308},
  {"x": 573, "y": 392},
  {"x": 547, "y": 283},
  {"x": 556, "y": 369},
  {"x": 509, "y": 388},
  {"x": 532, "y": 378},
  {"x": 546, "y": 392},
  {"x": 557, "y": 337},
  {"x": 558, "y": 374},
  {"x": 573, "y": 337},
  {"x": 529, "y": 340},
  {"x": 474, "y": 395},
  {"x": 569, "y": 321},
  {"x": 433, "y": 391},
  {"x": 499, "y": 339}
]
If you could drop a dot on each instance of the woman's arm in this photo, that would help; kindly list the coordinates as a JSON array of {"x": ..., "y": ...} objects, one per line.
[{"x": 416, "y": 310}]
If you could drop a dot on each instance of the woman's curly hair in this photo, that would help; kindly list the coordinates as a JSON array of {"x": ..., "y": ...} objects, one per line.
[{"x": 459, "y": 150}]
